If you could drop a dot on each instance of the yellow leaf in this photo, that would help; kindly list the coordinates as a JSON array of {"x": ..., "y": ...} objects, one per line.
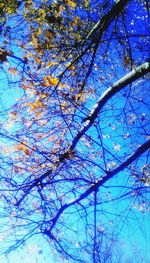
[
  {"x": 52, "y": 81},
  {"x": 86, "y": 3},
  {"x": 43, "y": 95},
  {"x": 38, "y": 102},
  {"x": 34, "y": 40},
  {"x": 50, "y": 64},
  {"x": 38, "y": 32},
  {"x": 75, "y": 22},
  {"x": 48, "y": 80},
  {"x": 12, "y": 71},
  {"x": 38, "y": 61},
  {"x": 42, "y": 13},
  {"x": 64, "y": 108},
  {"x": 71, "y": 4},
  {"x": 29, "y": 55},
  {"x": 44, "y": 78},
  {"x": 82, "y": 99},
  {"x": 10, "y": 10},
  {"x": 76, "y": 19}
]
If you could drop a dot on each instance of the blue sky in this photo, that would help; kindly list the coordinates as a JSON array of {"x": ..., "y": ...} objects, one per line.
[{"x": 118, "y": 131}]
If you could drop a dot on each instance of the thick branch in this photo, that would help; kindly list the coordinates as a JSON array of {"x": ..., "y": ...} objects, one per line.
[
  {"x": 100, "y": 26},
  {"x": 106, "y": 20},
  {"x": 109, "y": 93}
]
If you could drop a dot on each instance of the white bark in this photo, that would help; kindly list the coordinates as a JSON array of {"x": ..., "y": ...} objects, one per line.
[
  {"x": 105, "y": 21},
  {"x": 110, "y": 92}
]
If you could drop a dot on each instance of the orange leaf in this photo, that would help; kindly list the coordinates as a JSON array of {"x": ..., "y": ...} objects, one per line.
[
  {"x": 49, "y": 33},
  {"x": 50, "y": 64},
  {"x": 13, "y": 115},
  {"x": 38, "y": 61},
  {"x": 27, "y": 151},
  {"x": 72, "y": 68},
  {"x": 53, "y": 81},
  {"x": 71, "y": 4},
  {"x": 12, "y": 71}
]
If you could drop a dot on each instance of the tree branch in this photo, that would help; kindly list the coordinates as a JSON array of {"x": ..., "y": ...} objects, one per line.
[
  {"x": 109, "y": 93},
  {"x": 106, "y": 20},
  {"x": 143, "y": 148}
]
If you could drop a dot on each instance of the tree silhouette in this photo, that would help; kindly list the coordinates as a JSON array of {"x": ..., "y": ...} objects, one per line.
[{"x": 75, "y": 135}]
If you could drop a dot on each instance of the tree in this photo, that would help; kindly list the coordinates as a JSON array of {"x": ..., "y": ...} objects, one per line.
[{"x": 75, "y": 143}]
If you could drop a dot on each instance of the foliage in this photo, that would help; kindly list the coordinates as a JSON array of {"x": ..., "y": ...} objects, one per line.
[{"x": 75, "y": 138}]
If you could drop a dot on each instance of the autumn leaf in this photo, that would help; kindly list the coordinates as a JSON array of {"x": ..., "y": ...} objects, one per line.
[
  {"x": 13, "y": 115},
  {"x": 49, "y": 33},
  {"x": 42, "y": 13},
  {"x": 38, "y": 61},
  {"x": 86, "y": 3},
  {"x": 37, "y": 104},
  {"x": 43, "y": 95},
  {"x": 34, "y": 40},
  {"x": 72, "y": 67},
  {"x": 24, "y": 148},
  {"x": 75, "y": 21},
  {"x": 126, "y": 61},
  {"x": 71, "y": 4},
  {"x": 60, "y": 8},
  {"x": 82, "y": 99},
  {"x": 39, "y": 31},
  {"x": 50, "y": 64},
  {"x": 27, "y": 151},
  {"x": 64, "y": 108},
  {"x": 3, "y": 56},
  {"x": 44, "y": 78},
  {"x": 52, "y": 80},
  {"x": 28, "y": 3},
  {"x": 1, "y": 5},
  {"x": 12, "y": 71}
]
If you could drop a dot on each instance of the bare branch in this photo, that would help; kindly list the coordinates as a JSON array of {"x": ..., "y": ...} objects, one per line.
[
  {"x": 106, "y": 20},
  {"x": 143, "y": 148},
  {"x": 109, "y": 93}
]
